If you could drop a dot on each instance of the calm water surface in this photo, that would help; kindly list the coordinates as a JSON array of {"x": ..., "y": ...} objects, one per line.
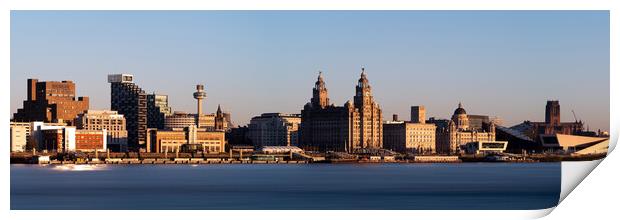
[{"x": 288, "y": 186}]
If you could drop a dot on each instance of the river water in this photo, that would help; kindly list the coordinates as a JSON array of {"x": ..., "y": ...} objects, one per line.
[{"x": 463, "y": 186}]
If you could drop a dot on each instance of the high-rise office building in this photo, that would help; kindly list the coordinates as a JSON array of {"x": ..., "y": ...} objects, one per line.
[
  {"x": 357, "y": 124},
  {"x": 157, "y": 110},
  {"x": 129, "y": 99},
  {"x": 51, "y": 101}
]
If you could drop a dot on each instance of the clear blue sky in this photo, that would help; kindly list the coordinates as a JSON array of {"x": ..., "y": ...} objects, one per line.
[{"x": 499, "y": 63}]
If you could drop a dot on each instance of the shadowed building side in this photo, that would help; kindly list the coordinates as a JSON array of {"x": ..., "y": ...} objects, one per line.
[{"x": 130, "y": 100}]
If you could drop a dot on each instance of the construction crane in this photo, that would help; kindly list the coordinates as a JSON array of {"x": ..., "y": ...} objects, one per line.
[{"x": 574, "y": 115}]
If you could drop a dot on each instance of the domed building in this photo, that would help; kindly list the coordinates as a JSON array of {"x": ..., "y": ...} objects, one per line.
[
  {"x": 458, "y": 133},
  {"x": 460, "y": 118}
]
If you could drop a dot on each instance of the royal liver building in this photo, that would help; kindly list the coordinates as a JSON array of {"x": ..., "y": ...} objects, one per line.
[{"x": 357, "y": 124}]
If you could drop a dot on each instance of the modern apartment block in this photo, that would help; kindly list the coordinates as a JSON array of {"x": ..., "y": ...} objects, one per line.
[
  {"x": 111, "y": 121},
  {"x": 274, "y": 129},
  {"x": 51, "y": 101},
  {"x": 130, "y": 100}
]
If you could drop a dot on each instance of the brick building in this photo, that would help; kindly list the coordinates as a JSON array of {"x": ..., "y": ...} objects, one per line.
[
  {"x": 90, "y": 140},
  {"x": 111, "y": 121},
  {"x": 51, "y": 101}
]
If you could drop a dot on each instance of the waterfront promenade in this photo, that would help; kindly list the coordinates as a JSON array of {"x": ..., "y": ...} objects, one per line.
[{"x": 291, "y": 158}]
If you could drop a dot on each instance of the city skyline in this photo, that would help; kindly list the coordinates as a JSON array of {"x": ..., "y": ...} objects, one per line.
[{"x": 279, "y": 83}]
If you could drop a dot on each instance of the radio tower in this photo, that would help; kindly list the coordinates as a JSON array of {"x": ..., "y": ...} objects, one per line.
[{"x": 199, "y": 95}]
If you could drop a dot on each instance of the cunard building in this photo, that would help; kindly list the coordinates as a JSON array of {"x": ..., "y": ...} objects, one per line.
[{"x": 357, "y": 124}]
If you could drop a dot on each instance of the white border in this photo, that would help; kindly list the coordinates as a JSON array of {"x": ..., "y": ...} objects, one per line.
[{"x": 307, "y": 5}]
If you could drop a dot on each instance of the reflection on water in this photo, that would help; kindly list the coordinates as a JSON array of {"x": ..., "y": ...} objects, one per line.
[
  {"x": 80, "y": 167},
  {"x": 463, "y": 186}
]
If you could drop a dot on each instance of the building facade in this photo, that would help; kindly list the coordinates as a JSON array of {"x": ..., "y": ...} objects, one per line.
[
  {"x": 157, "y": 110},
  {"x": 418, "y": 114},
  {"x": 51, "y": 101},
  {"x": 90, "y": 140},
  {"x": 52, "y": 137},
  {"x": 478, "y": 121},
  {"x": 409, "y": 136},
  {"x": 357, "y": 124},
  {"x": 274, "y": 129},
  {"x": 60, "y": 138},
  {"x": 189, "y": 139},
  {"x": 214, "y": 122},
  {"x": 129, "y": 99},
  {"x": 111, "y": 121},
  {"x": 458, "y": 133},
  {"x": 239, "y": 136},
  {"x": 179, "y": 120},
  {"x": 20, "y": 133}
]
